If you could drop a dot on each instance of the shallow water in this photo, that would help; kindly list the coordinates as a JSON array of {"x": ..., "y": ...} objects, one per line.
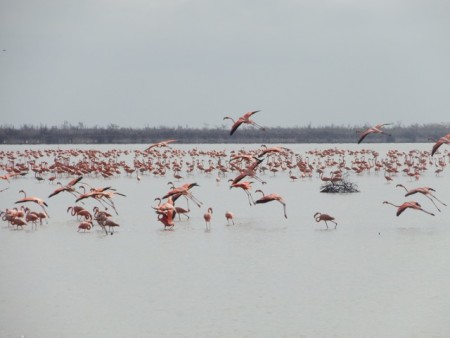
[{"x": 376, "y": 275}]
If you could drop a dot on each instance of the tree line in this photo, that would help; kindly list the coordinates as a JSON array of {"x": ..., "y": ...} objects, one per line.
[{"x": 113, "y": 134}]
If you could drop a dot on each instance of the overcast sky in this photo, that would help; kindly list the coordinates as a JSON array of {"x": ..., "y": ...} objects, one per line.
[{"x": 172, "y": 63}]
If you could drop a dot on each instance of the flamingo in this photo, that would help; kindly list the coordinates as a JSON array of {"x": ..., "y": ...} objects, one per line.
[
  {"x": 373, "y": 130},
  {"x": 68, "y": 187},
  {"x": 243, "y": 119},
  {"x": 246, "y": 186},
  {"x": 37, "y": 200},
  {"x": 267, "y": 150},
  {"x": 160, "y": 144},
  {"x": 270, "y": 198},
  {"x": 207, "y": 217},
  {"x": 181, "y": 211},
  {"x": 111, "y": 224},
  {"x": 318, "y": 216},
  {"x": 229, "y": 216},
  {"x": 426, "y": 191},
  {"x": 250, "y": 170},
  {"x": 184, "y": 191},
  {"x": 443, "y": 140},
  {"x": 406, "y": 205},
  {"x": 85, "y": 226},
  {"x": 166, "y": 212},
  {"x": 75, "y": 210},
  {"x": 32, "y": 217}
]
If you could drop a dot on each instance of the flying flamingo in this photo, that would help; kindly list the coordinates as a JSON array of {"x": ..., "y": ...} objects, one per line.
[
  {"x": 207, "y": 217},
  {"x": 246, "y": 186},
  {"x": 270, "y": 198},
  {"x": 183, "y": 191},
  {"x": 318, "y": 216},
  {"x": 250, "y": 170},
  {"x": 243, "y": 119},
  {"x": 426, "y": 191},
  {"x": 373, "y": 130},
  {"x": 160, "y": 144},
  {"x": 406, "y": 205},
  {"x": 229, "y": 216},
  {"x": 68, "y": 187},
  {"x": 33, "y": 199},
  {"x": 443, "y": 140}
]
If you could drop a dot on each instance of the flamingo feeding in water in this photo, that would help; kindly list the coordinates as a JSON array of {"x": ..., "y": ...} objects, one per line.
[{"x": 318, "y": 216}]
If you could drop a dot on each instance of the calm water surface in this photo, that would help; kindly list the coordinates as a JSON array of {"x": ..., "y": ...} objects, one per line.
[{"x": 376, "y": 275}]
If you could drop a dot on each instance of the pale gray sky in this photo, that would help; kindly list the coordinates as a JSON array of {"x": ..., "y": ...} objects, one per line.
[{"x": 139, "y": 63}]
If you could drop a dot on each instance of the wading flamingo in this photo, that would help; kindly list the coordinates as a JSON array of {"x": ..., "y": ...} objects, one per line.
[
  {"x": 318, "y": 216},
  {"x": 229, "y": 216},
  {"x": 87, "y": 225},
  {"x": 207, "y": 217}
]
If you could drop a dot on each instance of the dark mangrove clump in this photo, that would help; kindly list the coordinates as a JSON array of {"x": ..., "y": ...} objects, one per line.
[{"x": 342, "y": 186}]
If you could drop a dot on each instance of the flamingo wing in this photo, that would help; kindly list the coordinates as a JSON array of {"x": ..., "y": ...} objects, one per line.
[
  {"x": 236, "y": 126},
  {"x": 250, "y": 113},
  {"x": 364, "y": 134},
  {"x": 74, "y": 181},
  {"x": 436, "y": 146},
  {"x": 402, "y": 208}
]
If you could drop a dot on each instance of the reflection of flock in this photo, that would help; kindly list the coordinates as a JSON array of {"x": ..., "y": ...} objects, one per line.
[{"x": 245, "y": 166}]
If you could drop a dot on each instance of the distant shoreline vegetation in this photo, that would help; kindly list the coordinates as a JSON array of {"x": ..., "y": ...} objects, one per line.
[{"x": 113, "y": 134}]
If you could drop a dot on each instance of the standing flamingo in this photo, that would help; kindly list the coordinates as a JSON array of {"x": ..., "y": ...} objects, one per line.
[
  {"x": 373, "y": 130},
  {"x": 243, "y": 119},
  {"x": 270, "y": 198},
  {"x": 229, "y": 216},
  {"x": 406, "y": 205},
  {"x": 207, "y": 217},
  {"x": 318, "y": 216}
]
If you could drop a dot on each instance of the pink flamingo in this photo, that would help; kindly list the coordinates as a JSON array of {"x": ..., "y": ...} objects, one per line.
[
  {"x": 270, "y": 198},
  {"x": 243, "y": 119},
  {"x": 406, "y": 205}
]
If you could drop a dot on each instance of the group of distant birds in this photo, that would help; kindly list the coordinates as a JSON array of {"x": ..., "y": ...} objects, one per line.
[{"x": 167, "y": 211}]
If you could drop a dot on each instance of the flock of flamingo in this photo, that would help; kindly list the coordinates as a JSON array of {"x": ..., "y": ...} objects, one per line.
[{"x": 161, "y": 159}]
